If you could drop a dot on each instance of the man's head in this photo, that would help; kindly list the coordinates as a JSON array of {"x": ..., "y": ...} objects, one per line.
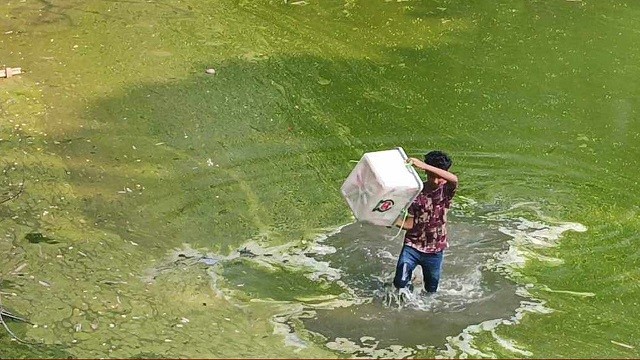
[{"x": 438, "y": 159}]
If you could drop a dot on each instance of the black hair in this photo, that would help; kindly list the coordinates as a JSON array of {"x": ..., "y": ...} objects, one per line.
[{"x": 438, "y": 159}]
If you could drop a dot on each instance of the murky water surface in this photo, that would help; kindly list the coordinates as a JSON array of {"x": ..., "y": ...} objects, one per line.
[
  {"x": 469, "y": 292},
  {"x": 157, "y": 210}
]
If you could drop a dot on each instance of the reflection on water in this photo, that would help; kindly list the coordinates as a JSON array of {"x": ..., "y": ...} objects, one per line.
[{"x": 468, "y": 294}]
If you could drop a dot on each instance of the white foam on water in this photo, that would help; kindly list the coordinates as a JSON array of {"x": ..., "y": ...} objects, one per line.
[
  {"x": 368, "y": 349},
  {"x": 322, "y": 249},
  {"x": 467, "y": 287},
  {"x": 526, "y": 236},
  {"x": 294, "y": 257},
  {"x": 574, "y": 293},
  {"x": 510, "y": 345},
  {"x": 456, "y": 290},
  {"x": 536, "y": 233},
  {"x": 384, "y": 254},
  {"x": 281, "y": 325}
]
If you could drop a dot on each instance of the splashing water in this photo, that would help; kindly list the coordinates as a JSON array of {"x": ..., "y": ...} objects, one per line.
[
  {"x": 339, "y": 286},
  {"x": 475, "y": 294},
  {"x": 469, "y": 293}
]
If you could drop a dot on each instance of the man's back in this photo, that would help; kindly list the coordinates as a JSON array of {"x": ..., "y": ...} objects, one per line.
[{"x": 429, "y": 211}]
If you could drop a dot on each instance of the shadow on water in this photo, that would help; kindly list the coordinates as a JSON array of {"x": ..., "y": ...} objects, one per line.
[
  {"x": 214, "y": 160},
  {"x": 259, "y": 151},
  {"x": 468, "y": 294}
]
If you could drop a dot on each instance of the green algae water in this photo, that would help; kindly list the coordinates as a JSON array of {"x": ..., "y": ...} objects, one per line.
[{"x": 160, "y": 211}]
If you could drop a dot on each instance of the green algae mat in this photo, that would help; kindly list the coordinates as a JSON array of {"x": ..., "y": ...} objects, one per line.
[{"x": 154, "y": 209}]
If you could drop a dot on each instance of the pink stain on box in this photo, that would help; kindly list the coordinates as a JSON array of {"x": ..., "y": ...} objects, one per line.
[{"x": 381, "y": 186}]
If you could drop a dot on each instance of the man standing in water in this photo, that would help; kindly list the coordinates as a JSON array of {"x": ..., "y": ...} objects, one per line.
[{"x": 426, "y": 236}]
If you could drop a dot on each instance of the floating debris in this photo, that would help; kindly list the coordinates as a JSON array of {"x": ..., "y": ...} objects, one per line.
[
  {"x": 576, "y": 293},
  {"x": 113, "y": 282},
  {"x": 622, "y": 344},
  {"x": 323, "y": 81},
  {"x": 209, "y": 261},
  {"x": 8, "y": 72},
  {"x": 246, "y": 252},
  {"x": 36, "y": 238},
  {"x": 18, "y": 269},
  {"x": 6, "y": 313}
]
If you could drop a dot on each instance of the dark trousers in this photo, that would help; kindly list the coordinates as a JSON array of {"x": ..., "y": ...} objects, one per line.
[{"x": 407, "y": 262}]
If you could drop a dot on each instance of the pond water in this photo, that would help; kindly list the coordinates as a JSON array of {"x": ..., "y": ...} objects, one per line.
[
  {"x": 157, "y": 210},
  {"x": 469, "y": 293},
  {"x": 339, "y": 290}
]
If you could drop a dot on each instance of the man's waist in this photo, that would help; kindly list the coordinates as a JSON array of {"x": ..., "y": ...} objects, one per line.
[{"x": 428, "y": 248}]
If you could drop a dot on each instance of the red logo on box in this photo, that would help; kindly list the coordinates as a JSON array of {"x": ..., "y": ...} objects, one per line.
[{"x": 384, "y": 205}]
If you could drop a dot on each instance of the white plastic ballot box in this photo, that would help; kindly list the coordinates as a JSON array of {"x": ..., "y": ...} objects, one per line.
[{"x": 380, "y": 186}]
